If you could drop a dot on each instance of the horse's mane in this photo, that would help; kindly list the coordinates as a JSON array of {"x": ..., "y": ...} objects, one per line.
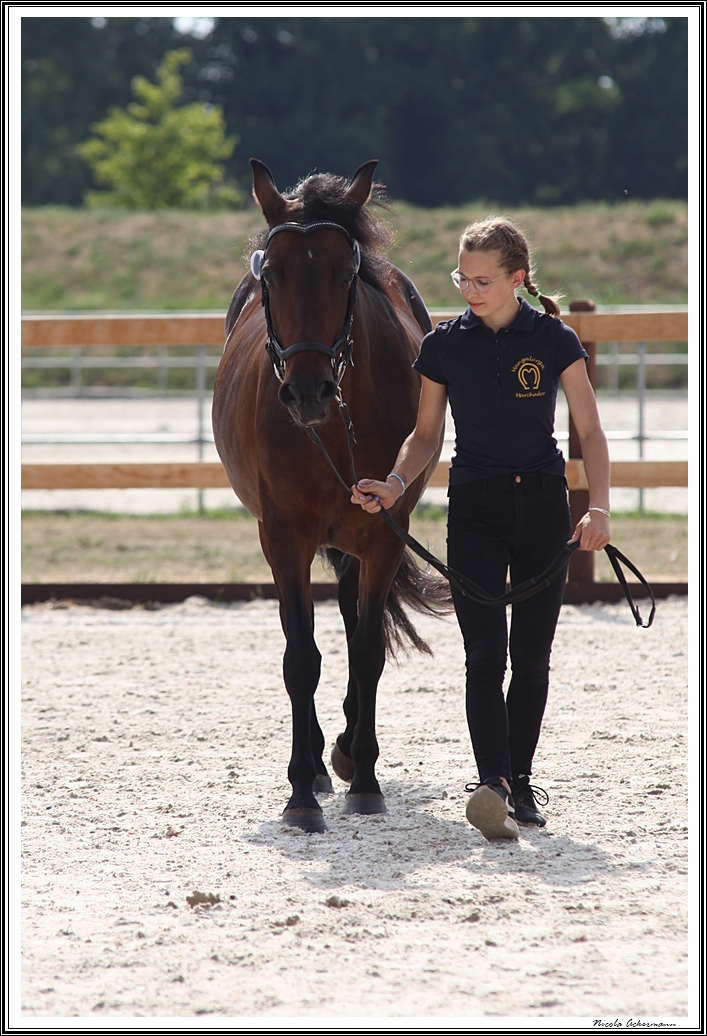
[{"x": 322, "y": 197}]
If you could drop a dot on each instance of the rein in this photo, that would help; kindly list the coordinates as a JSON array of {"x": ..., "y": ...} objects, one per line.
[
  {"x": 465, "y": 585},
  {"x": 340, "y": 355}
]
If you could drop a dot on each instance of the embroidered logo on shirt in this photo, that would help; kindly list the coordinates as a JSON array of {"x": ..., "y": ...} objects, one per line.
[{"x": 529, "y": 372}]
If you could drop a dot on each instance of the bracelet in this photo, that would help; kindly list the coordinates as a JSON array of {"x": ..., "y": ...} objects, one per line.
[
  {"x": 393, "y": 475},
  {"x": 601, "y": 511}
]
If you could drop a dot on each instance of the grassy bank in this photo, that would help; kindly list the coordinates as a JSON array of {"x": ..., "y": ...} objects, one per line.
[
  {"x": 102, "y": 260},
  {"x": 88, "y": 547}
]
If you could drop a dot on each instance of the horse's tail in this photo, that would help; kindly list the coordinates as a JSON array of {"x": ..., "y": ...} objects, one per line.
[
  {"x": 421, "y": 591},
  {"x": 413, "y": 587}
]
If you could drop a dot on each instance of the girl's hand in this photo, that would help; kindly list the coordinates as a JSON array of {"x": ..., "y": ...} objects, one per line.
[
  {"x": 370, "y": 495},
  {"x": 592, "y": 531}
]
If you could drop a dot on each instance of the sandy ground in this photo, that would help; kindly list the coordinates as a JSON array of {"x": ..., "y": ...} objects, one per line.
[{"x": 154, "y": 766}]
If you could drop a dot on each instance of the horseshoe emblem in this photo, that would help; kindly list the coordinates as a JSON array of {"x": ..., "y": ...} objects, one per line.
[{"x": 529, "y": 376}]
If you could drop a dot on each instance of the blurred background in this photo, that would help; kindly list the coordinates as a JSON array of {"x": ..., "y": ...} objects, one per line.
[
  {"x": 516, "y": 111},
  {"x": 136, "y": 197}
]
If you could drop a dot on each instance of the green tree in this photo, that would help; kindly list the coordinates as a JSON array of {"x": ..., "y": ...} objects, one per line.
[{"x": 158, "y": 156}]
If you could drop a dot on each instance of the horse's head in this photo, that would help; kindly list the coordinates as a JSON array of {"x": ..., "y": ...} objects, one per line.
[{"x": 308, "y": 270}]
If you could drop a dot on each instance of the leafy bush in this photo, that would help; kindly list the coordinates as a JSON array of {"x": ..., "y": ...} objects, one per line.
[{"x": 158, "y": 156}]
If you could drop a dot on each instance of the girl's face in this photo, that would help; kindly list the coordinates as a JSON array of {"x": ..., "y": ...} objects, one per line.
[{"x": 483, "y": 269}]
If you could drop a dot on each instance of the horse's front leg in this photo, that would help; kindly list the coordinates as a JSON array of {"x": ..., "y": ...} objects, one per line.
[
  {"x": 322, "y": 782},
  {"x": 348, "y": 606},
  {"x": 290, "y": 558},
  {"x": 367, "y": 659}
]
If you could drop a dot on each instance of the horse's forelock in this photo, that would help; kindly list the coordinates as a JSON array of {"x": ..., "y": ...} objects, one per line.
[{"x": 322, "y": 196}]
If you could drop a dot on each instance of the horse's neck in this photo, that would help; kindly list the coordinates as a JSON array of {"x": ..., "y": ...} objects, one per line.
[{"x": 385, "y": 331}]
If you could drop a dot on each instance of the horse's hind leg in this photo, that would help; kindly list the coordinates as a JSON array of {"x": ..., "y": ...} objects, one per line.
[
  {"x": 290, "y": 562},
  {"x": 341, "y": 759}
]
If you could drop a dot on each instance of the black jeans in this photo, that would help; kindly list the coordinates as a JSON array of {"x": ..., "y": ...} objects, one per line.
[{"x": 523, "y": 521}]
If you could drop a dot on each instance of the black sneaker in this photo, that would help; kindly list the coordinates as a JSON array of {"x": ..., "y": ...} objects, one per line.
[
  {"x": 490, "y": 809},
  {"x": 526, "y": 797}
]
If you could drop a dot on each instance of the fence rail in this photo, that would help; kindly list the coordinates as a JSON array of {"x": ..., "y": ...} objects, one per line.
[
  {"x": 208, "y": 475},
  {"x": 207, "y": 329}
]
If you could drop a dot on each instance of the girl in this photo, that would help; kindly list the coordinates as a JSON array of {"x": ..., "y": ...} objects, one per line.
[{"x": 499, "y": 365}]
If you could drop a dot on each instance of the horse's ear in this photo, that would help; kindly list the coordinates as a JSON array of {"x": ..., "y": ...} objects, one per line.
[
  {"x": 266, "y": 194},
  {"x": 360, "y": 190}
]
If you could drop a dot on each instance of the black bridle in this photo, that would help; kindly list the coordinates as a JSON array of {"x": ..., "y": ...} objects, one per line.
[
  {"x": 340, "y": 355},
  {"x": 340, "y": 352}
]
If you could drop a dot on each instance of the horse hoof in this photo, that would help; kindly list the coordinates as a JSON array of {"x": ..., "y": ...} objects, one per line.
[
  {"x": 322, "y": 785},
  {"x": 306, "y": 819},
  {"x": 343, "y": 765},
  {"x": 364, "y": 802}
]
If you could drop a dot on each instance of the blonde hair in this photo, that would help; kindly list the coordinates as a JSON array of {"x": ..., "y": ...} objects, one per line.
[{"x": 498, "y": 234}]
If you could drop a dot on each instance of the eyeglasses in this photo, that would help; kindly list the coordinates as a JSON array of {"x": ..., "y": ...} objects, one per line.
[{"x": 481, "y": 284}]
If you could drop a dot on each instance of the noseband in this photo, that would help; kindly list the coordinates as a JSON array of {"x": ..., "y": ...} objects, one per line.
[{"x": 340, "y": 352}]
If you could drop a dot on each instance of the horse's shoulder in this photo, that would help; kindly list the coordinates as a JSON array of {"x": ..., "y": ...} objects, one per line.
[{"x": 238, "y": 300}]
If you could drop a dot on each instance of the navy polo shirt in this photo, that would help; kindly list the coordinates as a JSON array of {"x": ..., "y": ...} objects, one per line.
[{"x": 502, "y": 390}]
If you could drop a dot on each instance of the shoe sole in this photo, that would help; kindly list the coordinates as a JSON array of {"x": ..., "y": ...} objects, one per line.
[
  {"x": 531, "y": 823},
  {"x": 488, "y": 813}
]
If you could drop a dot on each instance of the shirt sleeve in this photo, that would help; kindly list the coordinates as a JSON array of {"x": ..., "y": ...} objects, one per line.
[
  {"x": 569, "y": 349},
  {"x": 428, "y": 362}
]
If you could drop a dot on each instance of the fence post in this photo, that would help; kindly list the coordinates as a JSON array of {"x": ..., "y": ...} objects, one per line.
[
  {"x": 614, "y": 369},
  {"x": 76, "y": 369},
  {"x": 581, "y": 567},
  {"x": 641, "y": 393},
  {"x": 200, "y": 391},
  {"x": 162, "y": 369}
]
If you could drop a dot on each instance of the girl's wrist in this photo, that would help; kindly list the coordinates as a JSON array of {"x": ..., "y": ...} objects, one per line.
[
  {"x": 397, "y": 479},
  {"x": 601, "y": 510}
]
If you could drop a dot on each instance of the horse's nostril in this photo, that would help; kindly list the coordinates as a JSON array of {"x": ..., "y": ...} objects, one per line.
[
  {"x": 326, "y": 390},
  {"x": 289, "y": 395}
]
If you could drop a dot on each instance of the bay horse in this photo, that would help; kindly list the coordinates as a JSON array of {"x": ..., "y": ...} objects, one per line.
[{"x": 318, "y": 277}]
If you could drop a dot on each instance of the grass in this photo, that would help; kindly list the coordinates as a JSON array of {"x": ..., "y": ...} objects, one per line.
[
  {"x": 88, "y": 547},
  {"x": 632, "y": 253},
  {"x": 74, "y": 259}
]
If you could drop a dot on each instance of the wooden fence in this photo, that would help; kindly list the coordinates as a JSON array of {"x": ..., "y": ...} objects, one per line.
[
  {"x": 639, "y": 474},
  {"x": 193, "y": 329},
  {"x": 207, "y": 329}
]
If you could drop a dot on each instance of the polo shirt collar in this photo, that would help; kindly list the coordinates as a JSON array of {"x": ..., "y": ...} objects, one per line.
[{"x": 524, "y": 319}]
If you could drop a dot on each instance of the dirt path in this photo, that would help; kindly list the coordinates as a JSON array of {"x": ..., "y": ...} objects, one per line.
[{"x": 155, "y": 756}]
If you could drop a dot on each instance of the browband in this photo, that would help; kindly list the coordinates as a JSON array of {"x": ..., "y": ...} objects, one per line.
[{"x": 256, "y": 259}]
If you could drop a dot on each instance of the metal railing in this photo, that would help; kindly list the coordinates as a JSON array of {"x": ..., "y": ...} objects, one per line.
[{"x": 77, "y": 362}]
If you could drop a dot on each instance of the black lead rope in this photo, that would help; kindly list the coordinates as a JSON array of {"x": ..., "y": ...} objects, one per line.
[
  {"x": 617, "y": 559},
  {"x": 465, "y": 585},
  {"x": 472, "y": 590}
]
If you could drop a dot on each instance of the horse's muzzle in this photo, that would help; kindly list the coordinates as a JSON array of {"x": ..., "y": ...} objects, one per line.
[{"x": 308, "y": 400}]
